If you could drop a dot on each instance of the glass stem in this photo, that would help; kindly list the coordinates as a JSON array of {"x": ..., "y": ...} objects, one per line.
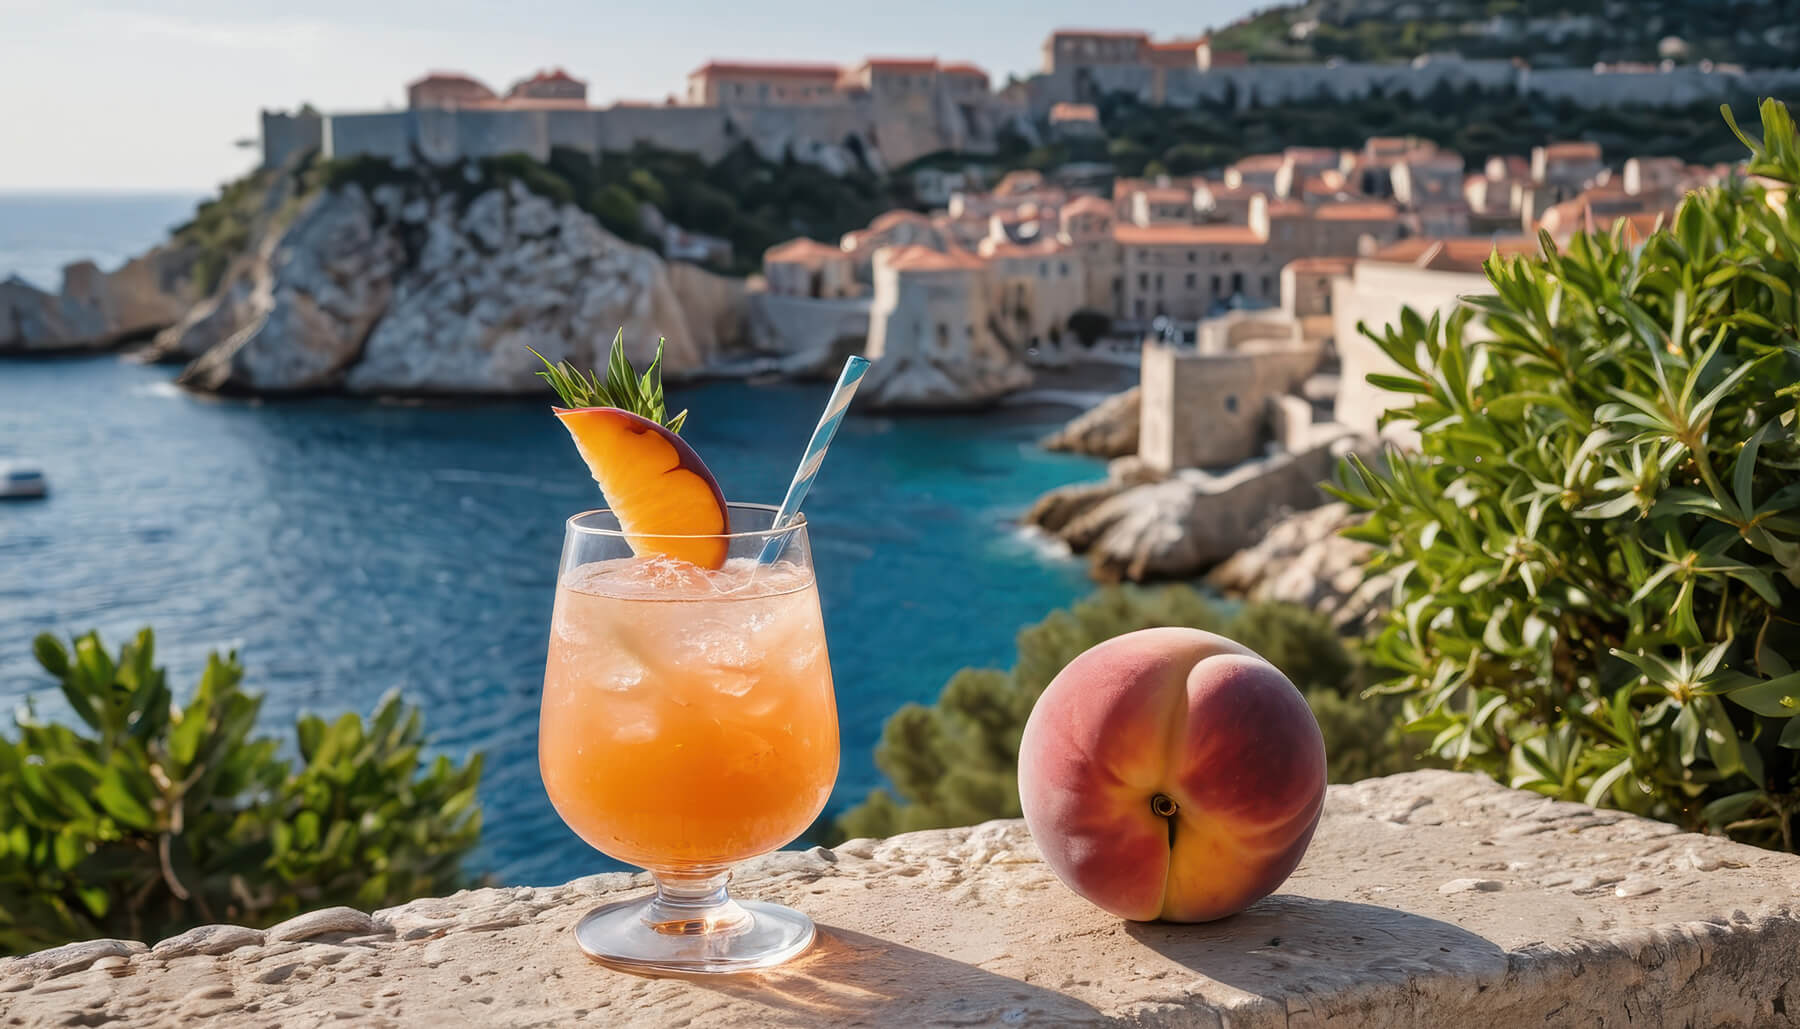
[{"x": 693, "y": 902}]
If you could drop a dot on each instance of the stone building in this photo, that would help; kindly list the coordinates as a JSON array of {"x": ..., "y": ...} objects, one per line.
[
  {"x": 1203, "y": 409},
  {"x": 897, "y": 228},
  {"x": 554, "y": 85},
  {"x": 448, "y": 89},
  {"x": 750, "y": 82},
  {"x": 1566, "y": 168},
  {"x": 1087, "y": 226},
  {"x": 1035, "y": 288},
  {"x": 807, "y": 268},
  {"x": 1306, "y": 286},
  {"x": 1075, "y": 121},
  {"x": 1185, "y": 272},
  {"x": 933, "y": 308}
]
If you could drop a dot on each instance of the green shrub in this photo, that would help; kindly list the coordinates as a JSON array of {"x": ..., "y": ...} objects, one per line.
[
  {"x": 1597, "y": 543},
  {"x": 956, "y": 762},
  {"x": 158, "y": 817}
]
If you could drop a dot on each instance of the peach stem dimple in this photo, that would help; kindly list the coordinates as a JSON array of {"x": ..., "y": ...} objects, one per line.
[{"x": 1164, "y": 805}]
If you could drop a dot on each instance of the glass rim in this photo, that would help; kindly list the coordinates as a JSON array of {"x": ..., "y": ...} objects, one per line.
[{"x": 798, "y": 524}]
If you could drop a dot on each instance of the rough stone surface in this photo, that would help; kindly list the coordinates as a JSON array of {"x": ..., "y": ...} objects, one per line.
[
  {"x": 96, "y": 308},
  {"x": 1139, "y": 526},
  {"x": 1302, "y": 559},
  {"x": 1428, "y": 899},
  {"x": 1108, "y": 430},
  {"x": 395, "y": 291}
]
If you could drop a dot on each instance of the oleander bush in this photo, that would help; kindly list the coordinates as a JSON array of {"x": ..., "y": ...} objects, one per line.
[
  {"x": 150, "y": 817},
  {"x": 1597, "y": 542},
  {"x": 956, "y": 762}
]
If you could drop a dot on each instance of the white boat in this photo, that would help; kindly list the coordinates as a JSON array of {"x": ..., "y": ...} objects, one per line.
[{"x": 20, "y": 481}]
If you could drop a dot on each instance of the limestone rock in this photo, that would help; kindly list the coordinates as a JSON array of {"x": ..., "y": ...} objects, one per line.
[
  {"x": 408, "y": 290},
  {"x": 916, "y": 382},
  {"x": 1139, "y": 525},
  {"x": 97, "y": 309},
  {"x": 1108, "y": 430},
  {"x": 1303, "y": 559},
  {"x": 1428, "y": 899}
]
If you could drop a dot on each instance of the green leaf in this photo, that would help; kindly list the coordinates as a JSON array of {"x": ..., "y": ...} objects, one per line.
[
  {"x": 119, "y": 798},
  {"x": 51, "y": 655}
]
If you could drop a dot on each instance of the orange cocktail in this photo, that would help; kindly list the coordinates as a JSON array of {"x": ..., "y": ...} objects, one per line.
[{"x": 688, "y": 719}]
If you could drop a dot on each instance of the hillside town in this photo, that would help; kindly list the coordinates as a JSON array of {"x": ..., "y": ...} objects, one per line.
[{"x": 1243, "y": 295}]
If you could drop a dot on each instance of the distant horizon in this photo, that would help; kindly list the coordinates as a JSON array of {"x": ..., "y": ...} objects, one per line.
[{"x": 148, "y": 101}]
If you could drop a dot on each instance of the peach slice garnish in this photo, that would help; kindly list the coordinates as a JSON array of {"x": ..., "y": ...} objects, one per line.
[{"x": 665, "y": 499}]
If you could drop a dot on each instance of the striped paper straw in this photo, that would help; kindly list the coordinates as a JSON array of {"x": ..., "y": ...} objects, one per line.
[{"x": 854, "y": 369}]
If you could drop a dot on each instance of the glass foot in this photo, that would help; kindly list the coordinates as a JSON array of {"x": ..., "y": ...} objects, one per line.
[{"x": 741, "y": 936}]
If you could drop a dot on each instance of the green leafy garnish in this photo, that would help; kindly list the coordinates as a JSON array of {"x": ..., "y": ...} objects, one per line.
[{"x": 623, "y": 388}]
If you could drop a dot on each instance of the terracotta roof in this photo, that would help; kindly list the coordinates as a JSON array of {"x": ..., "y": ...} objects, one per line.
[
  {"x": 1189, "y": 235},
  {"x": 1260, "y": 162},
  {"x": 1306, "y": 154},
  {"x": 554, "y": 75},
  {"x": 1229, "y": 58},
  {"x": 1074, "y": 112},
  {"x": 769, "y": 69},
  {"x": 1322, "y": 265},
  {"x": 1353, "y": 212},
  {"x": 446, "y": 76},
  {"x": 1087, "y": 205},
  {"x": 1459, "y": 254},
  {"x": 802, "y": 251},
  {"x": 964, "y": 68},
  {"x": 1288, "y": 209},
  {"x": 900, "y": 64},
  {"x": 1102, "y": 33},
  {"x": 1572, "y": 151},
  {"x": 884, "y": 222},
  {"x": 925, "y": 259},
  {"x": 1168, "y": 195}
]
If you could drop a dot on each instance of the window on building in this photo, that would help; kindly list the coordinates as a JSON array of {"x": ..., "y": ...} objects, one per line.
[
  {"x": 1265, "y": 286},
  {"x": 943, "y": 333},
  {"x": 1159, "y": 283},
  {"x": 1224, "y": 257},
  {"x": 1193, "y": 256},
  {"x": 1190, "y": 280},
  {"x": 1231, "y": 403},
  {"x": 1143, "y": 280},
  {"x": 1237, "y": 282},
  {"x": 1043, "y": 269},
  {"x": 1139, "y": 307},
  {"x": 1062, "y": 270},
  {"x": 1215, "y": 285}
]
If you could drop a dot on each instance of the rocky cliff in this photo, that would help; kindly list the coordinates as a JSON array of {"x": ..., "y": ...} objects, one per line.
[
  {"x": 405, "y": 288},
  {"x": 1303, "y": 559},
  {"x": 96, "y": 309},
  {"x": 1108, "y": 430}
]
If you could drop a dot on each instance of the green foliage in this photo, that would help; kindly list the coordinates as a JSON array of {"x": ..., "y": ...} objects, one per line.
[
  {"x": 622, "y": 388},
  {"x": 956, "y": 762},
  {"x": 1090, "y": 325},
  {"x": 1748, "y": 33},
  {"x": 160, "y": 816},
  {"x": 1597, "y": 543},
  {"x": 222, "y": 228}
]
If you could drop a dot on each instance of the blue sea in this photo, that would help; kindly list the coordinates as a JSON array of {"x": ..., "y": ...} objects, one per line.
[
  {"x": 348, "y": 547},
  {"x": 42, "y": 232}
]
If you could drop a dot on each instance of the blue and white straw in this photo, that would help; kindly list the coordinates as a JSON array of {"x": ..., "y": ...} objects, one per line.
[{"x": 854, "y": 369}]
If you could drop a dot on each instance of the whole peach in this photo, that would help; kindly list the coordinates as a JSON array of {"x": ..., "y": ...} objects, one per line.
[{"x": 1173, "y": 774}]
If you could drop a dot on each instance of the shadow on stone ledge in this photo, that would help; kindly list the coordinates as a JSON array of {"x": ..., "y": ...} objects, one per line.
[
  {"x": 851, "y": 978},
  {"x": 1305, "y": 945}
]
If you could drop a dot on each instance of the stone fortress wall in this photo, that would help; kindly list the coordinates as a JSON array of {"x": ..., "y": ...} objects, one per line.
[{"x": 1270, "y": 84}]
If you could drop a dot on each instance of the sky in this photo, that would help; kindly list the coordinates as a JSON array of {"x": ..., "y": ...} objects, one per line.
[{"x": 148, "y": 96}]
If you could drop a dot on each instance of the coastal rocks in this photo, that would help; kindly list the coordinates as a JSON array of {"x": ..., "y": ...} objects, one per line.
[
  {"x": 400, "y": 290},
  {"x": 97, "y": 309},
  {"x": 1420, "y": 903},
  {"x": 1135, "y": 527},
  {"x": 918, "y": 382},
  {"x": 319, "y": 290},
  {"x": 1108, "y": 430},
  {"x": 1303, "y": 559}
]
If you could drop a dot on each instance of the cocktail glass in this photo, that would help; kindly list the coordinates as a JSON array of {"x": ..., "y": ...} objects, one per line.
[{"x": 688, "y": 724}]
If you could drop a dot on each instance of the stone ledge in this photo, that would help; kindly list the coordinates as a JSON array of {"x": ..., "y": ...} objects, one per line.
[{"x": 1427, "y": 898}]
